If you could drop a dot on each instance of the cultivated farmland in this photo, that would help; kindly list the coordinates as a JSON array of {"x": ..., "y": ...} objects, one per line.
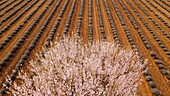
[{"x": 141, "y": 25}]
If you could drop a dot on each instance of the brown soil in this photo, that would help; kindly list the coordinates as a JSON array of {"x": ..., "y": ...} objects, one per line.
[
  {"x": 160, "y": 80},
  {"x": 9, "y": 6},
  {"x": 96, "y": 26},
  {"x": 85, "y": 21},
  {"x": 19, "y": 12}
]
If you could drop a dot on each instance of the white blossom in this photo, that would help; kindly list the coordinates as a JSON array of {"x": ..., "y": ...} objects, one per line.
[{"x": 71, "y": 68}]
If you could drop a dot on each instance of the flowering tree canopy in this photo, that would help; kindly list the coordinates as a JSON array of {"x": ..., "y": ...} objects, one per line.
[{"x": 72, "y": 68}]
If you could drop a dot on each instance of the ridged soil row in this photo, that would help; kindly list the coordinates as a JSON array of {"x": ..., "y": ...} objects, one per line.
[
  {"x": 121, "y": 33},
  {"x": 144, "y": 88},
  {"x": 5, "y": 7},
  {"x": 158, "y": 78},
  {"x": 145, "y": 54},
  {"x": 156, "y": 11},
  {"x": 162, "y": 9},
  {"x": 3, "y": 4},
  {"x": 47, "y": 31},
  {"x": 17, "y": 23},
  {"x": 139, "y": 23},
  {"x": 167, "y": 30},
  {"x": 96, "y": 27},
  {"x": 6, "y": 4},
  {"x": 15, "y": 15},
  {"x": 107, "y": 27},
  {"x": 156, "y": 30},
  {"x": 45, "y": 34},
  {"x": 8, "y": 69},
  {"x": 85, "y": 22},
  {"x": 74, "y": 19},
  {"x": 164, "y": 3},
  {"x": 14, "y": 40},
  {"x": 63, "y": 21},
  {"x": 9, "y": 8},
  {"x": 152, "y": 41}
]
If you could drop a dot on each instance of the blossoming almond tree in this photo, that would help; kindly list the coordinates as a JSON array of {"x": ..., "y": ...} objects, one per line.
[{"x": 72, "y": 68}]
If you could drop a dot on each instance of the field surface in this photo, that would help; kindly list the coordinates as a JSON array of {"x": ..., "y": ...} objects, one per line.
[{"x": 141, "y": 25}]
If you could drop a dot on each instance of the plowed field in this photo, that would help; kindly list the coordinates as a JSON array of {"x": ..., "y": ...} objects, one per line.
[{"x": 26, "y": 26}]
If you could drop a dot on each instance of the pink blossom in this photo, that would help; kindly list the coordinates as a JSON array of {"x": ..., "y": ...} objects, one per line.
[{"x": 71, "y": 68}]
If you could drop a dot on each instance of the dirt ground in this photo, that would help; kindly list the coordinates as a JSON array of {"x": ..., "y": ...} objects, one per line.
[{"x": 162, "y": 83}]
